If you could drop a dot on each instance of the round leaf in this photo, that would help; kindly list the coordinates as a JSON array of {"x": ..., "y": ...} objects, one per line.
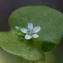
[
  {"x": 50, "y": 21},
  {"x": 10, "y": 43}
]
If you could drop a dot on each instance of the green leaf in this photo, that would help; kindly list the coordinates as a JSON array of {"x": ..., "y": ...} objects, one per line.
[
  {"x": 6, "y": 57},
  {"x": 51, "y": 22},
  {"x": 11, "y": 44}
]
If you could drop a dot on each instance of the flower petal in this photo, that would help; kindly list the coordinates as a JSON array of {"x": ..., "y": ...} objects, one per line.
[
  {"x": 30, "y": 26},
  {"x": 24, "y": 30},
  {"x": 37, "y": 29},
  {"x": 16, "y": 27},
  {"x": 35, "y": 36},
  {"x": 28, "y": 37}
]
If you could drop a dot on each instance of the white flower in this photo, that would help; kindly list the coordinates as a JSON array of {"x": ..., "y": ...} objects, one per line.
[
  {"x": 17, "y": 27},
  {"x": 31, "y": 32}
]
